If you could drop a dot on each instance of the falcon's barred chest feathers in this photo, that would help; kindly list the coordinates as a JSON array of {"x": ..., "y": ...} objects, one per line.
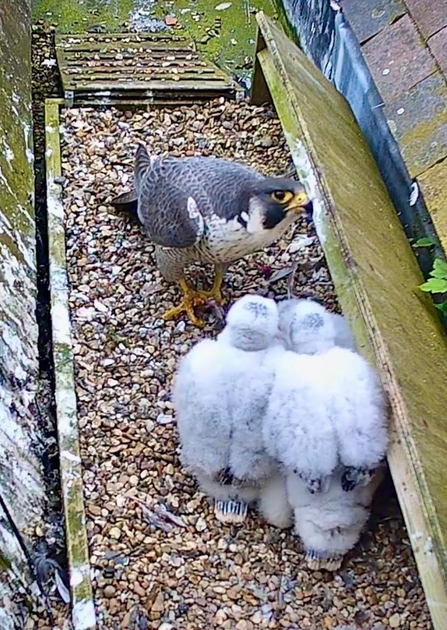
[{"x": 210, "y": 210}]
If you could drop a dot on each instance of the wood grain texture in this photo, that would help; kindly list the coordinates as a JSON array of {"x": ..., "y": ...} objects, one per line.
[
  {"x": 83, "y": 611},
  {"x": 376, "y": 275}
]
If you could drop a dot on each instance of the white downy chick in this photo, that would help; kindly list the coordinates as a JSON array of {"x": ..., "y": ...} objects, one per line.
[
  {"x": 331, "y": 434},
  {"x": 330, "y": 523},
  {"x": 343, "y": 334},
  {"x": 350, "y": 387},
  {"x": 220, "y": 394},
  {"x": 297, "y": 429}
]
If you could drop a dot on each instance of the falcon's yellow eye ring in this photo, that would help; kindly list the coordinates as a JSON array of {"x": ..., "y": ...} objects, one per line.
[{"x": 281, "y": 196}]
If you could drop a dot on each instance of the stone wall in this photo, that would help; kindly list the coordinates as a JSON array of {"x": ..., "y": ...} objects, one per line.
[{"x": 21, "y": 482}]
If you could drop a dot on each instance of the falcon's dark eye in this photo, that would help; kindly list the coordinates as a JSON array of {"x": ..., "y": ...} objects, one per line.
[{"x": 282, "y": 196}]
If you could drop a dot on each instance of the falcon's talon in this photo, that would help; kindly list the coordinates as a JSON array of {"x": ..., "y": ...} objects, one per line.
[
  {"x": 191, "y": 298},
  {"x": 230, "y": 511},
  {"x": 184, "y": 307},
  {"x": 316, "y": 561},
  {"x": 214, "y": 294},
  {"x": 210, "y": 297}
]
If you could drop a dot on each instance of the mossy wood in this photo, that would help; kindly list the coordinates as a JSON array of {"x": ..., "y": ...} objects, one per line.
[
  {"x": 376, "y": 276},
  {"x": 83, "y": 612},
  {"x": 434, "y": 187}
]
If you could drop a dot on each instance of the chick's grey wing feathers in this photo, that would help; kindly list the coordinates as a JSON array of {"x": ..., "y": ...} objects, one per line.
[{"x": 166, "y": 187}]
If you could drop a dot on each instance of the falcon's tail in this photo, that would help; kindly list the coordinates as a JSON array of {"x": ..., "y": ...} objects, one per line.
[
  {"x": 127, "y": 202},
  {"x": 143, "y": 163}
]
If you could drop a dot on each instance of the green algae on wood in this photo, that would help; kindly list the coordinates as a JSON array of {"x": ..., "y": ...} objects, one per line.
[
  {"x": 83, "y": 611},
  {"x": 21, "y": 475},
  {"x": 375, "y": 274},
  {"x": 70, "y": 16},
  {"x": 433, "y": 183},
  {"x": 225, "y": 36}
]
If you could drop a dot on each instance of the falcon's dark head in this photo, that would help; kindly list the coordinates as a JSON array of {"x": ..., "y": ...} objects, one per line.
[{"x": 274, "y": 199}]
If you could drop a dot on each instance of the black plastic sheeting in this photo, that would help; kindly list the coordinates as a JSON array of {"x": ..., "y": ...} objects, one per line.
[{"x": 327, "y": 39}]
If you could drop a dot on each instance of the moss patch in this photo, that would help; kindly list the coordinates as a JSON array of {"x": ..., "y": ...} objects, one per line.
[
  {"x": 71, "y": 16},
  {"x": 224, "y": 34},
  {"x": 433, "y": 184},
  {"x": 16, "y": 171}
]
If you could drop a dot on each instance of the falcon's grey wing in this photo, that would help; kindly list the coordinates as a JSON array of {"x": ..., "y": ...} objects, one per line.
[
  {"x": 169, "y": 214},
  {"x": 220, "y": 187},
  {"x": 142, "y": 166}
]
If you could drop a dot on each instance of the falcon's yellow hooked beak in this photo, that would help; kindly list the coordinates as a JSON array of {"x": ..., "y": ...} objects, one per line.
[
  {"x": 298, "y": 201},
  {"x": 294, "y": 200}
]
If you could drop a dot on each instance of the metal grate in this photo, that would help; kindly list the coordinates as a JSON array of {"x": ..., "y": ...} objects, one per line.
[{"x": 137, "y": 68}]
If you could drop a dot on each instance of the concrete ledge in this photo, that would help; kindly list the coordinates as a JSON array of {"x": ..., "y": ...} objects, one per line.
[
  {"x": 376, "y": 275},
  {"x": 83, "y": 610}
]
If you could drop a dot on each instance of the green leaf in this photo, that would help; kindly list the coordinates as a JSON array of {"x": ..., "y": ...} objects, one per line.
[
  {"x": 439, "y": 269},
  {"x": 442, "y": 307},
  {"x": 424, "y": 242},
  {"x": 434, "y": 285}
]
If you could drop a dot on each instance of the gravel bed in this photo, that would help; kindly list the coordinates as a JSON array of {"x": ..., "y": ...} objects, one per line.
[{"x": 187, "y": 571}]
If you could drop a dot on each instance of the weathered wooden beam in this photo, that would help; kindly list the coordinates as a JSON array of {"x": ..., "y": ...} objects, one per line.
[
  {"x": 375, "y": 274},
  {"x": 259, "y": 93},
  {"x": 83, "y": 611}
]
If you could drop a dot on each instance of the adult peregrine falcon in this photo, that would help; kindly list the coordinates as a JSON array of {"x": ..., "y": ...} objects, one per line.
[{"x": 210, "y": 210}]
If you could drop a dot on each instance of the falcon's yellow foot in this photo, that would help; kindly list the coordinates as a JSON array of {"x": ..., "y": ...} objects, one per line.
[
  {"x": 191, "y": 299},
  {"x": 214, "y": 293},
  {"x": 196, "y": 297}
]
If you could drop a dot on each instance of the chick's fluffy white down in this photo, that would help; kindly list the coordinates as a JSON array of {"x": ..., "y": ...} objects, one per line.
[
  {"x": 330, "y": 523},
  {"x": 325, "y": 408},
  {"x": 220, "y": 394},
  {"x": 297, "y": 428}
]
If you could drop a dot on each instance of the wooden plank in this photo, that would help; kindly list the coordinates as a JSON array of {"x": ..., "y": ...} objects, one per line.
[
  {"x": 83, "y": 611},
  {"x": 85, "y": 64},
  {"x": 186, "y": 57},
  {"x": 150, "y": 65},
  {"x": 259, "y": 93},
  {"x": 433, "y": 186},
  {"x": 146, "y": 74},
  {"x": 376, "y": 275},
  {"x": 94, "y": 46},
  {"x": 163, "y": 86},
  {"x": 128, "y": 35}
]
